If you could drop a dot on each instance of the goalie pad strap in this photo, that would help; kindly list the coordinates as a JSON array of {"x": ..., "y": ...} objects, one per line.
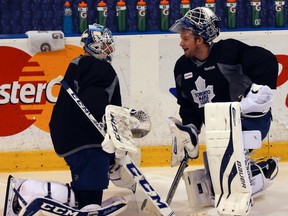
[
  {"x": 19, "y": 196},
  {"x": 69, "y": 193},
  {"x": 48, "y": 190}
]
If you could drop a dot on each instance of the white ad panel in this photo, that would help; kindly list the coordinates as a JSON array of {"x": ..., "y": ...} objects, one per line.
[{"x": 145, "y": 66}]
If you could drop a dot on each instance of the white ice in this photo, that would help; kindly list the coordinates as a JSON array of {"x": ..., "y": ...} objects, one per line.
[{"x": 274, "y": 202}]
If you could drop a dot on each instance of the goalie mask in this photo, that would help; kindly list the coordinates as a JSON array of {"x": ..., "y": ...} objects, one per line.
[
  {"x": 98, "y": 41},
  {"x": 201, "y": 21}
]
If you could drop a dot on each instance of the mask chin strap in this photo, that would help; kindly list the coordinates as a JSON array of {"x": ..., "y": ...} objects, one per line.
[
  {"x": 102, "y": 56},
  {"x": 109, "y": 58}
]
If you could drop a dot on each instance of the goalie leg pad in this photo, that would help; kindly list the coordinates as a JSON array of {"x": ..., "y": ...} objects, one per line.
[
  {"x": 120, "y": 176},
  {"x": 198, "y": 187},
  {"x": 35, "y": 203},
  {"x": 53, "y": 190},
  {"x": 228, "y": 166},
  {"x": 22, "y": 191}
]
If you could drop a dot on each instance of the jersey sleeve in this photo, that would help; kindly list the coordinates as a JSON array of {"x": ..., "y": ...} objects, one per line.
[{"x": 258, "y": 63}]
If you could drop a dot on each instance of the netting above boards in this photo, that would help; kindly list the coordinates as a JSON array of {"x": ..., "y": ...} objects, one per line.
[{"x": 19, "y": 16}]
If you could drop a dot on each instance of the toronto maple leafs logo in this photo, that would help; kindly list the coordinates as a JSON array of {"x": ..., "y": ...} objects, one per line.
[{"x": 203, "y": 94}]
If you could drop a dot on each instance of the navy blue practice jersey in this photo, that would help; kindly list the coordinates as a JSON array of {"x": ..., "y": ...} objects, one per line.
[
  {"x": 97, "y": 85},
  {"x": 229, "y": 70}
]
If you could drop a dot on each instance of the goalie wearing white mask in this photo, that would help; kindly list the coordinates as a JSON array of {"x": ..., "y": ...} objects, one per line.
[{"x": 223, "y": 71}]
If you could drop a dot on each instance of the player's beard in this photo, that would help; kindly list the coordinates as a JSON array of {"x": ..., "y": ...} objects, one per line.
[{"x": 190, "y": 52}]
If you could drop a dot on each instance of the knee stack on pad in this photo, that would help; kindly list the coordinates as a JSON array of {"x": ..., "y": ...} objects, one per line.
[{"x": 62, "y": 193}]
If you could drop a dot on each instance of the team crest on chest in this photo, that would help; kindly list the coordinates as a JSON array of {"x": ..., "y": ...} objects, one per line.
[{"x": 204, "y": 94}]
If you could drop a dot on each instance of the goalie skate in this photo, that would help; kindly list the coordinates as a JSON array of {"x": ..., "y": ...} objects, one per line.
[
  {"x": 15, "y": 204},
  {"x": 12, "y": 206}
]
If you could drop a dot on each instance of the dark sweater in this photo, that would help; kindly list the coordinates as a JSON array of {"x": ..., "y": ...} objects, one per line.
[
  {"x": 96, "y": 84},
  {"x": 229, "y": 70}
]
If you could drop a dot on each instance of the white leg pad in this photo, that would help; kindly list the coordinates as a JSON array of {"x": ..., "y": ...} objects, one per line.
[
  {"x": 31, "y": 188},
  {"x": 22, "y": 200},
  {"x": 199, "y": 188},
  {"x": 119, "y": 176},
  {"x": 225, "y": 152}
]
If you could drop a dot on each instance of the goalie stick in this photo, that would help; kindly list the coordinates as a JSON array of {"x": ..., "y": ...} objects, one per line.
[
  {"x": 146, "y": 207},
  {"x": 174, "y": 185},
  {"x": 160, "y": 204}
]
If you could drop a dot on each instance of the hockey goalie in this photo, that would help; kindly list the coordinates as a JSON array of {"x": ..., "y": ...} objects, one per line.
[{"x": 226, "y": 85}]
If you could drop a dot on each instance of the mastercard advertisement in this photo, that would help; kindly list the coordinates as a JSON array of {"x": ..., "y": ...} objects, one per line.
[
  {"x": 27, "y": 87},
  {"x": 283, "y": 75}
]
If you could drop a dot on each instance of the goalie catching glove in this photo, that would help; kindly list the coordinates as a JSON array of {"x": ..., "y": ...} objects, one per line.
[
  {"x": 123, "y": 125},
  {"x": 184, "y": 138},
  {"x": 257, "y": 102},
  {"x": 139, "y": 123}
]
